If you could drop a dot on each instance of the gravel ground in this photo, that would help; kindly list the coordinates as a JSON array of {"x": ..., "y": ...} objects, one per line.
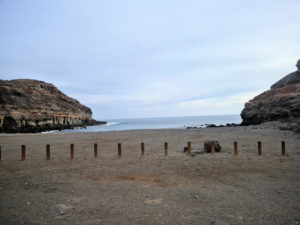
[{"x": 154, "y": 189}]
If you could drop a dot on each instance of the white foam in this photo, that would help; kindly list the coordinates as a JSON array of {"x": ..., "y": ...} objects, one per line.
[
  {"x": 50, "y": 131},
  {"x": 112, "y": 123}
]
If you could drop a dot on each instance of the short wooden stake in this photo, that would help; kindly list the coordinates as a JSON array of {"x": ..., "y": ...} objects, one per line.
[
  {"x": 0, "y": 153},
  {"x": 95, "y": 150},
  {"x": 119, "y": 150},
  {"x": 166, "y": 148},
  {"x": 213, "y": 148},
  {"x": 189, "y": 148},
  {"x": 47, "y": 152},
  {"x": 235, "y": 148},
  {"x": 259, "y": 148},
  {"x": 72, "y": 151},
  {"x": 142, "y": 149},
  {"x": 23, "y": 152},
  {"x": 283, "y": 148}
]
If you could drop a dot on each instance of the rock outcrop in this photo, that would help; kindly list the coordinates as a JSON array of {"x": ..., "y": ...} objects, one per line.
[
  {"x": 208, "y": 145},
  {"x": 280, "y": 103},
  {"x": 34, "y": 106}
]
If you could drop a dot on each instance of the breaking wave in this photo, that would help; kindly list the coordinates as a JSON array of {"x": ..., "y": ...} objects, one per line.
[{"x": 112, "y": 123}]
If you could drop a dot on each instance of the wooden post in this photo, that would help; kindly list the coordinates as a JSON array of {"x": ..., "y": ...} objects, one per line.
[
  {"x": 213, "y": 148},
  {"x": 72, "y": 151},
  {"x": 166, "y": 148},
  {"x": 23, "y": 152},
  {"x": 283, "y": 148},
  {"x": 47, "y": 152},
  {"x": 235, "y": 148},
  {"x": 119, "y": 150},
  {"x": 142, "y": 149},
  {"x": 189, "y": 148},
  {"x": 0, "y": 153},
  {"x": 259, "y": 148},
  {"x": 95, "y": 150}
]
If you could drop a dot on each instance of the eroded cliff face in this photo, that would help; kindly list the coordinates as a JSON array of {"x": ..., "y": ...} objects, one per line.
[
  {"x": 33, "y": 106},
  {"x": 280, "y": 103}
]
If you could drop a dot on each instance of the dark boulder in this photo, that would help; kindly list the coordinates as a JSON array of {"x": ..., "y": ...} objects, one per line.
[
  {"x": 211, "y": 125},
  {"x": 185, "y": 149},
  {"x": 208, "y": 144}
]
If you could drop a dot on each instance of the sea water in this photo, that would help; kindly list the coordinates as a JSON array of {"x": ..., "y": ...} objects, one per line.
[{"x": 159, "y": 123}]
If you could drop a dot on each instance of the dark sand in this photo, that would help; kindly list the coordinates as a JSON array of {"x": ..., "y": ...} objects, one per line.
[{"x": 177, "y": 189}]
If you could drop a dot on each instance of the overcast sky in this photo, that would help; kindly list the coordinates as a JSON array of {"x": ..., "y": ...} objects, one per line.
[{"x": 155, "y": 58}]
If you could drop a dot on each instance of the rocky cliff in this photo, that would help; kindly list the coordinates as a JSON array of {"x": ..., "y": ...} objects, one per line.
[
  {"x": 34, "y": 106},
  {"x": 280, "y": 103}
]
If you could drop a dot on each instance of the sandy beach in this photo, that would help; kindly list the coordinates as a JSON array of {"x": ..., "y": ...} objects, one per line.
[{"x": 154, "y": 189}]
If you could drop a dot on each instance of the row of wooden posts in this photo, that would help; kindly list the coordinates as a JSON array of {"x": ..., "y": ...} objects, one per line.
[{"x": 72, "y": 152}]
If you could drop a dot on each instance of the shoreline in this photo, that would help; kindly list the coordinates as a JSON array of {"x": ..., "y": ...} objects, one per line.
[{"x": 275, "y": 125}]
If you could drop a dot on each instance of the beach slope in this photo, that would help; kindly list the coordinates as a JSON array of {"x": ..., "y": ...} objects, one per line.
[{"x": 153, "y": 189}]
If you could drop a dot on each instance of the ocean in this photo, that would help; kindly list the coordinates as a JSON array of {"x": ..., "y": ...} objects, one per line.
[{"x": 160, "y": 123}]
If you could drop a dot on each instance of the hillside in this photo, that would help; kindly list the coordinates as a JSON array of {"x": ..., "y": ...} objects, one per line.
[
  {"x": 280, "y": 103},
  {"x": 34, "y": 106}
]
